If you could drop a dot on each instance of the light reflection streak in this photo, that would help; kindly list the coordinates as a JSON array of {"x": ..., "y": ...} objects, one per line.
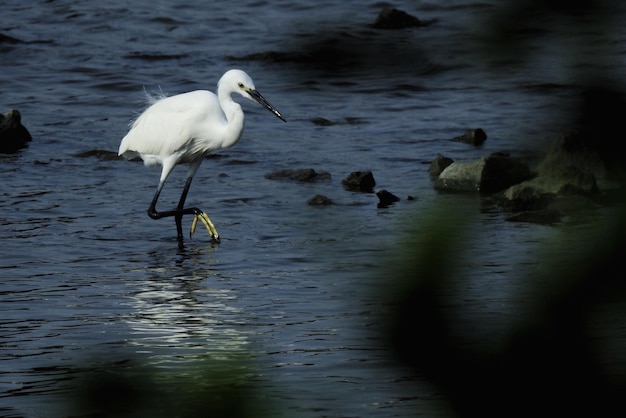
[{"x": 182, "y": 319}]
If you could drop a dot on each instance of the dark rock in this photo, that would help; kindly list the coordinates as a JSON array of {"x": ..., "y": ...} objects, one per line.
[
  {"x": 526, "y": 199},
  {"x": 487, "y": 175},
  {"x": 319, "y": 200},
  {"x": 271, "y": 56},
  {"x": 302, "y": 174},
  {"x": 13, "y": 135},
  {"x": 347, "y": 121},
  {"x": 438, "y": 165},
  {"x": 474, "y": 137},
  {"x": 322, "y": 122},
  {"x": 6, "y": 39},
  {"x": 154, "y": 57},
  {"x": 501, "y": 171},
  {"x": 103, "y": 155},
  {"x": 390, "y": 18},
  {"x": 359, "y": 181},
  {"x": 386, "y": 198}
]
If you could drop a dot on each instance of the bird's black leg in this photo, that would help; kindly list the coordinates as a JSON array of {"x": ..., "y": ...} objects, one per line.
[
  {"x": 178, "y": 212},
  {"x": 152, "y": 212}
]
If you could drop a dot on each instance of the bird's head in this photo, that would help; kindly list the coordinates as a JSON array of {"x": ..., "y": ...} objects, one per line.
[{"x": 237, "y": 81}]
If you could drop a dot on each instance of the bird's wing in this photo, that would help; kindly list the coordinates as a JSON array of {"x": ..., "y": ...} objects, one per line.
[{"x": 169, "y": 125}]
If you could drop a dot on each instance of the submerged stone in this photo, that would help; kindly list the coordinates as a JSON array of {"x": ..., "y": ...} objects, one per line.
[{"x": 13, "y": 135}]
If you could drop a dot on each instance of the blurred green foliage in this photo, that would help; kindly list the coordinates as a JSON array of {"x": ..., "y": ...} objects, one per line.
[
  {"x": 130, "y": 389},
  {"x": 560, "y": 359},
  {"x": 567, "y": 356}
]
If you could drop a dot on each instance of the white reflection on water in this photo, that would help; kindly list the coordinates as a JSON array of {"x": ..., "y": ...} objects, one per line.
[{"x": 182, "y": 318}]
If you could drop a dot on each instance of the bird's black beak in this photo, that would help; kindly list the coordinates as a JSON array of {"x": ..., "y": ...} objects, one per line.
[{"x": 261, "y": 100}]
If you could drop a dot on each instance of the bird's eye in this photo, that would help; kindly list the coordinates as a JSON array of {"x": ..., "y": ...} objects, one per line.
[{"x": 240, "y": 85}]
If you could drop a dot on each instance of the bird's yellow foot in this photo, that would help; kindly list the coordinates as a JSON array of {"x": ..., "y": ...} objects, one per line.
[{"x": 207, "y": 223}]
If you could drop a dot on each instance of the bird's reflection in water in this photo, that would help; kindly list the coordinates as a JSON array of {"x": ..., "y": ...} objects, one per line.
[
  {"x": 188, "y": 353},
  {"x": 183, "y": 311}
]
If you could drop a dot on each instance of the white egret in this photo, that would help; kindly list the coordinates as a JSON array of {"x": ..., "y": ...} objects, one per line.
[{"x": 183, "y": 129}]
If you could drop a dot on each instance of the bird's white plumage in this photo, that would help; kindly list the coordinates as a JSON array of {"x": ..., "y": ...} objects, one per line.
[
  {"x": 184, "y": 129},
  {"x": 187, "y": 122}
]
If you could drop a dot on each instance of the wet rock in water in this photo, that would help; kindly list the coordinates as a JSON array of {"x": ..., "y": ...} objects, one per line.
[
  {"x": 391, "y": 18},
  {"x": 522, "y": 198},
  {"x": 486, "y": 175},
  {"x": 346, "y": 121},
  {"x": 271, "y": 56},
  {"x": 571, "y": 167},
  {"x": 567, "y": 182},
  {"x": 301, "y": 174},
  {"x": 474, "y": 137},
  {"x": 438, "y": 165},
  {"x": 104, "y": 155},
  {"x": 13, "y": 135},
  {"x": 359, "y": 181},
  {"x": 386, "y": 198},
  {"x": 323, "y": 122},
  {"x": 319, "y": 200},
  {"x": 6, "y": 39}
]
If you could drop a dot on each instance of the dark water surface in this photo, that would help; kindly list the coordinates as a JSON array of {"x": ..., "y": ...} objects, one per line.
[{"x": 89, "y": 281}]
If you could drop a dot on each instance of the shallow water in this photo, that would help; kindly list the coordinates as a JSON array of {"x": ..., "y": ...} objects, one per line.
[{"x": 91, "y": 282}]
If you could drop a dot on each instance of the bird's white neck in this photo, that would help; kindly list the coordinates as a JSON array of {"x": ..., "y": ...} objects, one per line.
[{"x": 234, "y": 120}]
